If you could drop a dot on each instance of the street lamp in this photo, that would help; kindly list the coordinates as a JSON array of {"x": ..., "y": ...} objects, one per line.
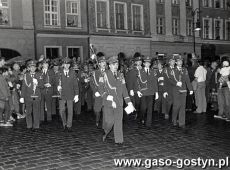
[{"x": 196, "y": 27}]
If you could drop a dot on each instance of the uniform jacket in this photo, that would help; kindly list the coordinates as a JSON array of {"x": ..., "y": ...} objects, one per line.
[
  {"x": 168, "y": 83},
  {"x": 115, "y": 87},
  {"x": 132, "y": 80},
  {"x": 147, "y": 82},
  {"x": 69, "y": 85},
  {"x": 48, "y": 77},
  {"x": 177, "y": 75},
  {"x": 28, "y": 86},
  {"x": 161, "y": 80},
  {"x": 94, "y": 80}
]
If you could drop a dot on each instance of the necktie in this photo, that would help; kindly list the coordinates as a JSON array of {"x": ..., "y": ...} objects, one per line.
[
  {"x": 66, "y": 73},
  {"x": 115, "y": 75}
]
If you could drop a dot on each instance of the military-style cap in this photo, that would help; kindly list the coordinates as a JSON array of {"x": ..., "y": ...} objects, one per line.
[
  {"x": 46, "y": 61},
  {"x": 147, "y": 59},
  {"x": 32, "y": 63},
  {"x": 66, "y": 60},
  {"x": 101, "y": 59},
  {"x": 172, "y": 57},
  {"x": 112, "y": 59},
  {"x": 178, "y": 57},
  {"x": 139, "y": 58}
]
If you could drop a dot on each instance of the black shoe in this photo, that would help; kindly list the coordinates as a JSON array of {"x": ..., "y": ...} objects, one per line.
[
  {"x": 69, "y": 129},
  {"x": 119, "y": 144}
]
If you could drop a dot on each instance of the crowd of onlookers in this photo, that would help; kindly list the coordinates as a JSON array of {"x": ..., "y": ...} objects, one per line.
[{"x": 210, "y": 81}]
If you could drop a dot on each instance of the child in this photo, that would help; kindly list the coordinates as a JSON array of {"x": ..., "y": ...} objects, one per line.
[{"x": 224, "y": 72}]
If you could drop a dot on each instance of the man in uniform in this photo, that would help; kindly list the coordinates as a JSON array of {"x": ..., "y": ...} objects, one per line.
[
  {"x": 160, "y": 104},
  {"x": 31, "y": 95},
  {"x": 68, "y": 88},
  {"x": 113, "y": 90},
  {"x": 169, "y": 86},
  {"x": 48, "y": 79},
  {"x": 147, "y": 89},
  {"x": 181, "y": 82},
  {"x": 94, "y": 83},
  {"x": 132, "y": 83}
]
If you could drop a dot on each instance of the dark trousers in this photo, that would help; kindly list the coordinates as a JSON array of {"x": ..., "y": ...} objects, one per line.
[
  {"x": 160, "y": 103},
  {"x": 66, "y": 119},
  {"x": 33, "y": 113},
  {"x": 179, "y": 104},
  {"x": 168, "y": 103},
  {"x": 5, "y": 109},
  {"x": 113, "y": 119},
  {"x": 98, "y": 105},
  {"x": 147, "y": 107},
  {"x": 46, "y": 100},
  {"x": 77, "y": 106}
]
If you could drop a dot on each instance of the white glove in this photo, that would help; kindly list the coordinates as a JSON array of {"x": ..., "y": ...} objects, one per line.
[
  {"x": 160, "y": 78},
  {"x": 10, "y": 84},
  {"x": 179, "y": 83},
  {"x": 59, "y": 88},
  {"x": 110, "y": 98},
  {"x": 131, "y": 93},
  {"x": 35, "y": 81},
  {"x": 86, "y": 80},
  {"x": 76, "y": 99},
  {"x": 191, "y": 92},
  {"x": 21, "y": 100},
  {"x": 47, "y": 85},
  {"x": 165, "y": 94},
  {"x": 139, "y": 94},
  {"x": 114, "y": 105},
  {"x": 97, "y": 94},
  {"x": 18, "y": 86},
  {"x": 156, "y": 96}
]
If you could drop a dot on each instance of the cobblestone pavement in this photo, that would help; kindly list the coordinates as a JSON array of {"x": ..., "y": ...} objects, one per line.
[{"x": 52, "y": 148}]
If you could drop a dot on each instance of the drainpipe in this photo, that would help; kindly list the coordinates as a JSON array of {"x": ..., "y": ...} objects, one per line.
[{"x": 35, "y": 30}]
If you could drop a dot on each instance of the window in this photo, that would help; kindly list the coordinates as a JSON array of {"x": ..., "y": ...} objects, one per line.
[
  {"x": 218, "y": 3},
  {"x": 207, "y": 31},
  {"x": 189, "y": 26},
  {"x": 52, "y": 52},
  {"x": 188, "y": 3},
  {"x": 137, "y": 17},
  {"x": 175, "y": 26},
  {"x": 51, "y": 12},
  {"x": 73, "y": 13},
  {"x": 227, "y": 30},
  {"x": 161, "y": 1},
  {"x": 120, "y": 16},
  {"x": 102, "y": 14},
  {"x": 160, "y": 25},
  {"x": 227, "y": 4},
  {"x": 74, "y": 51},
  {"x": 175, "y": 2},
  {"x": 207, "y": 3},
  {"x": 4, "y": 12},
  {"x": 218, "y": 35}
]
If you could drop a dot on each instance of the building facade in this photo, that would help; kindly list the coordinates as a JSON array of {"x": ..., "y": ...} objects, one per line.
[
  {"x": 61, "y": 28},
  {"x": 120, "y": 26},
  {"x": 16, "y": 25},
  {"x": 172, "y": 27},
  {"x": 215, "y": 19}
]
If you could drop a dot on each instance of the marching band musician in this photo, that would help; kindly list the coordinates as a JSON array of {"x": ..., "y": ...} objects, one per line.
[
  {"x": 31, "y": 95},
  {"x": 169, "y": 87},
  {"x": 94, "y": 83},
  {"x": 148, "y": 87},
  {"x": 132, "y": 82},
  {"x": 113, "y": 89},
  {"x": 48, "y": 79},
  {"x": 181, "y": 82},
  {"x": 160, "y": 104},
  {"x": 69, "y": 92}
]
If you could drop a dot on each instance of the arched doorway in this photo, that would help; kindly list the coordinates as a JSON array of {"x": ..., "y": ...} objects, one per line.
[{"x": 8, "y": 53}]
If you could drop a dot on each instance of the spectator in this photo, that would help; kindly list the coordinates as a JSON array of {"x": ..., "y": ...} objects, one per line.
[{"x": 200, "y": 78}]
